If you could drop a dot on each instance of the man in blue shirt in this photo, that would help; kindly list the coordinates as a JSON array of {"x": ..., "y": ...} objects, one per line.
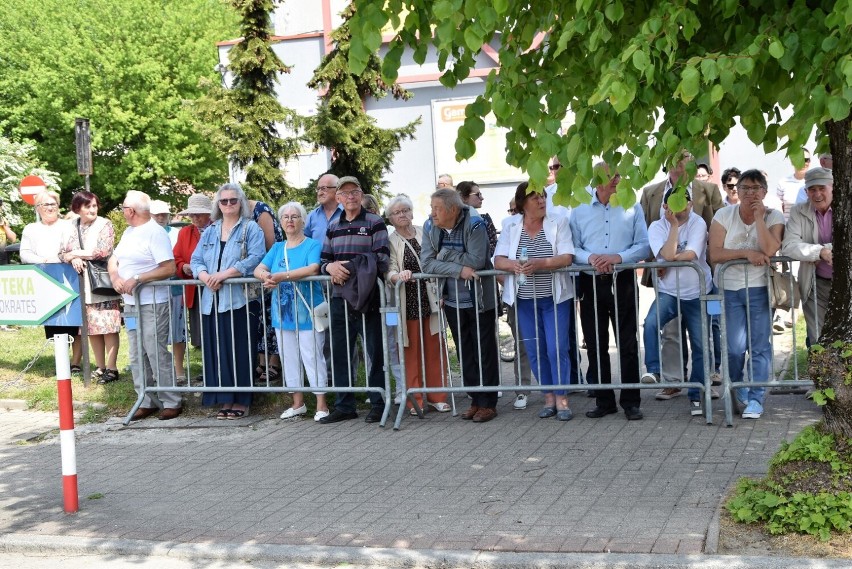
[
  {"x": 606, "y": 235},
  {"x": 327, "y": 211}
]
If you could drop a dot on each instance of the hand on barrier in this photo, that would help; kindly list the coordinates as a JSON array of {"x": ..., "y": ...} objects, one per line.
[
  {"x": 338, "y": 273},
  {"x": 467, "y": 273},
  {"x": 757, "y": 258}
]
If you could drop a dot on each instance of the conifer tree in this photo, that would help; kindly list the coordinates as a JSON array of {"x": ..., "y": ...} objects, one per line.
[
  {"x": 243, "y": 120},
  {"x": 359, "y": 147}
]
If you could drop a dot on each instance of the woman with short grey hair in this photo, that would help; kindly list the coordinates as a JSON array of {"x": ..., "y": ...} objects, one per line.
[
  {"x": 281, "y": 271},
  {"x": 419, "y": 308}
]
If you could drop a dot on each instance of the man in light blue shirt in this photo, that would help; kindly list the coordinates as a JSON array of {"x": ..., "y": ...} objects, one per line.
[
  {"x": 327, "y": 210},
  {"x": 606, "y": 235}
]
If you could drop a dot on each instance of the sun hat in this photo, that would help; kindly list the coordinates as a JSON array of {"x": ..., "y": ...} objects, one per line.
[{"x": 197, "y": 203}]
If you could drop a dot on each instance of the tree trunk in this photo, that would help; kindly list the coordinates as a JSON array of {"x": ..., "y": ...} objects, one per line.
[{"x": 831, "y": 368}]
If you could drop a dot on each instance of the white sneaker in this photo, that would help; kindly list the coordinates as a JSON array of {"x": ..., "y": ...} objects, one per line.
[
  {"x": 753, "y": 410},
  {"x": 320, "y": 414},
  {"x": 695, "y": 408},
  {"x": 397, "y": 400},
  {"x": 649, "y": 377},
  {"x": 520, "y": 402},
  {"x": 499, "y": 394},
  {"x": 290, "y": 413},
  {"x": 714, "y": 393}
]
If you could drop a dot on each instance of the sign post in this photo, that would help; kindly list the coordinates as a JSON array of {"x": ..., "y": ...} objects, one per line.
[{"x": 83, "y": 141}]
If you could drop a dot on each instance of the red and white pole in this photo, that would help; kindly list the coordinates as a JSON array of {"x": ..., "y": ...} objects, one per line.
[{"x": 70, "y": 498}]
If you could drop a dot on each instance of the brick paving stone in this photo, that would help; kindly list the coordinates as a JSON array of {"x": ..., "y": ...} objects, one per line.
[{"x": 584, "y": 486}]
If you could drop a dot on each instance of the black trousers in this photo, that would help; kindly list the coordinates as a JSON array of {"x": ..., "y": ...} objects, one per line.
[
  {"x": 345, "y": 326},
  {"x": 476, "y": 342},
  {"x": 605, "y": 299}
]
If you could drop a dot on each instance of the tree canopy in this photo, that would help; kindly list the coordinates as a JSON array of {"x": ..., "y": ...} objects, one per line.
[
  {"x": 127, "y": 66},
  {"x": 636, "y": 81}
]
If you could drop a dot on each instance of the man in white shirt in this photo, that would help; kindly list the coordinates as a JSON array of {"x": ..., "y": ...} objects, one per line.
[
  {"x": 678, "y": 236},
  {"x": 144, "y": 254}
]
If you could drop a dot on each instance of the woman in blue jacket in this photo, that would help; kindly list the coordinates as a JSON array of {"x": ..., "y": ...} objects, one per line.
[{"x": 229, "y": 248}]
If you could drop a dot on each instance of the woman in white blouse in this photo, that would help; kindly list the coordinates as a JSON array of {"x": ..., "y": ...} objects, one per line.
[
  {"x": 532, "y": 245},
  {"x": 41, "y": 242}
]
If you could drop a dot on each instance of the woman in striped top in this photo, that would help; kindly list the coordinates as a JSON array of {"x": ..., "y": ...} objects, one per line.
[{"x": 532, "y": 246}]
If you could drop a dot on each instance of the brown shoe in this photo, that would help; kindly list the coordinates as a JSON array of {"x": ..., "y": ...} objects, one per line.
[
  {"x": 144, "y": 412},
  {"x": 468, "y": 415},
  {"x": 171, "y": 413},
  {"x": 484, "y": 415}
]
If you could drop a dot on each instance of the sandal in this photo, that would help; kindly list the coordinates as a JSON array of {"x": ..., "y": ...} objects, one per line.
[
  {"x": 223, "y": 414},
  {"x": 107, "y": 376},
  {"x": 237, "y": 413},
  {"x": 272, "y": 374},
  {"x": 76, "y": 370},
  {"x": 440, "y": 407}
]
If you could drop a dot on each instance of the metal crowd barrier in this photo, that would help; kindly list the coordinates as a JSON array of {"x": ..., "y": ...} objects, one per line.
[
  {"x": 213, "y": 378},
  {"x": 773, "y": 380},
  {"x": 452, "y": 360}
]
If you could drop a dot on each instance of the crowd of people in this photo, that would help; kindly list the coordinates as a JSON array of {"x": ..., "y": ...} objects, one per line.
[{"x": 251, "y": 331}]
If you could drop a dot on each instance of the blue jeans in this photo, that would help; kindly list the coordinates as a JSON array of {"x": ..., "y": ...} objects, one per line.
[
  {"x": 544, "y": 332},
  {"x": 747, "y": 310},
  {"x": 665, "y": 308}
]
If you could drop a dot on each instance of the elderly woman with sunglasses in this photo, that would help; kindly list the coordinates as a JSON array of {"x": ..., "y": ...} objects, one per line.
[
  {"x": 418, "y": 304},
  {"x": 230, "y": 248},
  {"x": 532, "y": 246},
  {"x": 751, "y": 231}
]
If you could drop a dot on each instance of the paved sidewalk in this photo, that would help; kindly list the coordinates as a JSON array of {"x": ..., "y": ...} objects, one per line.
[{"x": 516, "y": 484}]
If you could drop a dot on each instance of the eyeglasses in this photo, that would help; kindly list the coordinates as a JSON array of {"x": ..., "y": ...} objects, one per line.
[
  {"x": 350, "y": 194},
  {"x": 229, "y": 201},
  {"x": 126, "y": 207},
  {"x": 731, "y": 187},
  {"x": 326, "y": 188},
  {"x": 477, "y": 194},
  {"x": 293, "y": 217},
  {"x": 554, "y": 167},
  {"x": 750, "y": 189},
  {"x": 807, "y": 160},
  {"x": 404, "y": 211},
  {"x": 48, "y": 205}
]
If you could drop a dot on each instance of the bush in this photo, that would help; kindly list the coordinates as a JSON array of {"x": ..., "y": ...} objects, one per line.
[{"x": 808, "y": 488}]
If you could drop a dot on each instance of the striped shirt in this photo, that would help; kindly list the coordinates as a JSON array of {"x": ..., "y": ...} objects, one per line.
[
  {"x": 539, "y": 285},
  {"x": 345, "y": 239}
]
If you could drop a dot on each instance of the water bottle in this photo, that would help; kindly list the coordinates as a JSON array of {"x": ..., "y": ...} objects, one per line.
[{"x": 523, "y": 258}]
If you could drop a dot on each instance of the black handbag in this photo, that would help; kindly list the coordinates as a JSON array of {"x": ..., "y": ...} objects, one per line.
[{"x": 98, "y": 273}]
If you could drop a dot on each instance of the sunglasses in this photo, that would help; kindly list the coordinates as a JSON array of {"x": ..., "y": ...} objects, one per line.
[
  {"x": 731, "y": 186},
  {"x": 229, "y": 201},
  {"x": 554, "y": 167}
]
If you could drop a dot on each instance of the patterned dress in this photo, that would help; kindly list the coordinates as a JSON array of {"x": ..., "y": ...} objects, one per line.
[{"x": 102, "y": 313}]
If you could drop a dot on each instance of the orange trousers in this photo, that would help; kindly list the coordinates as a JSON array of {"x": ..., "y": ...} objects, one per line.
[{"x": 424, "y": 350}]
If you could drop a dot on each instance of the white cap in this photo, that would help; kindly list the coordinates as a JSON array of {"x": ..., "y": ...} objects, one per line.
[{"x": 159, "y": 206}]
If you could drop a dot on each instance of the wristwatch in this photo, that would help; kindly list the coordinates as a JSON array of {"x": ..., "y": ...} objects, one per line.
[{"x": 136, "y": 278}]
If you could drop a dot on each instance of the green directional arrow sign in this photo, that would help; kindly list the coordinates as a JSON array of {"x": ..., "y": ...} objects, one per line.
[{"x": 28, "y": 296}]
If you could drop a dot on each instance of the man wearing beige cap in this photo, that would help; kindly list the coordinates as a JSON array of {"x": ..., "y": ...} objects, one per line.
[{"x": 808, "y": 238}]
